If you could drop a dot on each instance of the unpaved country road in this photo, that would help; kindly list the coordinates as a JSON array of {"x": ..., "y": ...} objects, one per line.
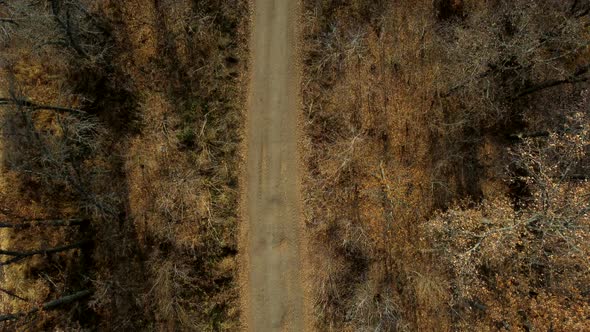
[{"x": 274, "y": 295}]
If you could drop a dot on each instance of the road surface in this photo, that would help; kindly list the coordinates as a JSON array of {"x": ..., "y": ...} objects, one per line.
[{"x": 274, "y": 295}]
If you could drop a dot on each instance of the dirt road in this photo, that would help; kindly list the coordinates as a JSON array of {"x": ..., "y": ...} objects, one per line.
[{"x": 274, "y": 298}]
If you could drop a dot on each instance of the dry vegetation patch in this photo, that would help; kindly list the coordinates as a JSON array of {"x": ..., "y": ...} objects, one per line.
[
  {"x": 412, "y": 106},
  {"x": 127, "y": 115}
]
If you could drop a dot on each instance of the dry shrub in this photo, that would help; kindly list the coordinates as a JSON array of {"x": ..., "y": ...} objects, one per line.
[
  {"x": 367, "y": 149},
  {"x": 182, "y": 169},
  {"x": 54, "y": 165},
  {"x": 153, "y": 161},
  {"x": 409, "y": 107},
  {"x": 374, "y": 309}
]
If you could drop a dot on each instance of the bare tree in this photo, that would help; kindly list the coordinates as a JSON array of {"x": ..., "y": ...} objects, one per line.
[
  {"x": 502, "y": 53},
  {"x": 66, "y": 25},
  {"x": 64, "y": 154},
  {"x": 539, "y": 243}
]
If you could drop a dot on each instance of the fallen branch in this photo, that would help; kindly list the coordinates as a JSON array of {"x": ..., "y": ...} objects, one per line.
[
  {"x": 50, "y": 223},
  {"x": 464, "y": 83},
  {"x": 19, "y": 255},
  {"x": 5, "y": 291},
  {"x": 35, "y": 106},
  {"x": 550, "y": 84},
  {"x": 51, "y": 305},
  {"x": 520, "y": 136},
  {"x": 576, "y": 78},
  {"x": 66, "y": 26},
  {"x": 8, "y": 20},
  {"x": 483, "y": 236}
]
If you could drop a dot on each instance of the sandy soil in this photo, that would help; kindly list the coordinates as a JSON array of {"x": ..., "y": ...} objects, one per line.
[{"x": 273, "y": 293}]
